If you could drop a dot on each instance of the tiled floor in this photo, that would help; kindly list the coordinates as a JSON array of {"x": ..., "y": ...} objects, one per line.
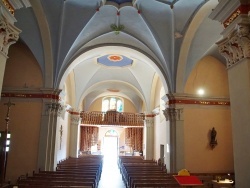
[{"x": 111, "y": 177}]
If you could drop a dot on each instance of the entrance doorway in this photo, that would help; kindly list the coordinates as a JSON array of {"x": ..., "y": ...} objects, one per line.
[{"x": 110, "y": 145}]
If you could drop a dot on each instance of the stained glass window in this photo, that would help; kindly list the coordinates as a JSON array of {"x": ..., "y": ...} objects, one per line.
[{"x": 112, "y": 103}]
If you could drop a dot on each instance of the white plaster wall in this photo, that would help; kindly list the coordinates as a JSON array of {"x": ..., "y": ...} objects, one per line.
[
  {"x": 160, "y": 137},
  {"x": 62, "y": 153}
]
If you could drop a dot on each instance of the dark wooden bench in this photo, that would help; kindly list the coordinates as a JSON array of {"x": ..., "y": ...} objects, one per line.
[{"x": 81, "y": 172}]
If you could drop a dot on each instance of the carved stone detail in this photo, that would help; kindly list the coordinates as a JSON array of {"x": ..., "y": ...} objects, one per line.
[
  {"x": 54, "y": 108},
  {"x": 236, "y": 46},
  {"x": 149, "y": 122},
  {"x": 9, "y": 34},
  {"x": 61, "y": 111},
  {"x": 75, "y": 119},
  {"x": 172, "y": 114}
]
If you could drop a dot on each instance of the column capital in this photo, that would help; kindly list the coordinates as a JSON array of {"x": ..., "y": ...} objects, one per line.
[
  {"x": 53, "y": 107},
  {"x": 173, "y": 114},
  {"x": 235, "y": 17},
  {"x": 236, "y": 45},
  {"x": 75, "y": 118},
  {"x": 9, "y": 34},
  {"x": 149, "y": 120}
]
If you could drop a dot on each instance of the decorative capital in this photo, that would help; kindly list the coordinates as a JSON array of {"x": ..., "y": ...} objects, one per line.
[
  {"x": 149, "y": 120},
  {"x": 61, "y": 110},
  {"x": 75, "y": 120},
  {"x": 9, "y": 34},
  {"x": 236, "y": 46},
  {"x": 55, "y": 108},
  {"x": 173, "y": 114}
]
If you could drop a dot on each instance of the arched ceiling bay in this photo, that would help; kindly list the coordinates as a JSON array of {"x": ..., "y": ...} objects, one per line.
[
  {"x": 78, "y": 32},
  {"x": 93, "y": 79}
]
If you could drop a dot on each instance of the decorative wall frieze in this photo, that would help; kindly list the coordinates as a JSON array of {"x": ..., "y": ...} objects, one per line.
[
  {"x": 175, "y": 103},
  {"x": 27, "y": 93},
  {"x": 177, "y": 100},
  {"x": 241, "y": 10}
]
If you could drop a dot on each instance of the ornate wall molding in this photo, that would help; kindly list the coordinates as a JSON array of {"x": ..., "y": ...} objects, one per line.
[
  {"x": 177, "y": 100},
  {"x": 9, "y": 34},
  {"x": 75, "y": 120},
  {"x": 27, "y": 93},
  {"x": 55, "y": 108},
  {"x": 175, "y": 103},
  {"x": 149, "y": 120},
  {"x": 236, "y": 46},
  {"x": 173, "y": 114}
]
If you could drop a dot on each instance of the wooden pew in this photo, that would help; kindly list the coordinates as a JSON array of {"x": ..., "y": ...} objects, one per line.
[
  {"x": 137, "y": 171},
  {"x": 81, "y": 172}
]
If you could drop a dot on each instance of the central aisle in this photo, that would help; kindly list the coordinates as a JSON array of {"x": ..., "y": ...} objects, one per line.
[{"x": 111, "y": 177}]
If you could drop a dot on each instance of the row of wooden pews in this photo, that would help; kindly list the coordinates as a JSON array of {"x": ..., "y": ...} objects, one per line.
[
  {"x": 137, "y": 172},
  {"x": 82, "y": 172}
]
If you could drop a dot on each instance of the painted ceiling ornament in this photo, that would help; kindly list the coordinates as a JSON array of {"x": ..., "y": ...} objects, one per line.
[
  {"x": 115, "y": 58},
  {"x": 116, "y": 28}
]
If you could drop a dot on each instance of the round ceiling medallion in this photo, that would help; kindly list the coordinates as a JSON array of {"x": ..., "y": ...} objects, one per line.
[
  {"x": 112, "y": 60},
  {"x": 115, "y": 58}
]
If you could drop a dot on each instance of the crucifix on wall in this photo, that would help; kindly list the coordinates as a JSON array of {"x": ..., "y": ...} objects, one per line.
[{"x": 61, "y": 132}]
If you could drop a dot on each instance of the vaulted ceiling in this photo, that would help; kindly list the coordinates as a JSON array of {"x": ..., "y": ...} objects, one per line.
[{"x": 71, "y": 35}]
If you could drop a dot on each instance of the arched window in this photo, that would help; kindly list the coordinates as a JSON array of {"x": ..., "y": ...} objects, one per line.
[
  {"x": 112, "y": 103},
  {"x": 111, "y": 133}
]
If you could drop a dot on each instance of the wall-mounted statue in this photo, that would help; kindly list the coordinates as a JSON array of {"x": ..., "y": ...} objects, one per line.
[{"x": 213, "y": 140}]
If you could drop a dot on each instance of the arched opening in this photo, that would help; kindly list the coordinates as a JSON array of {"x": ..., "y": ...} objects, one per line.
[{"x": 110, "y": 145}]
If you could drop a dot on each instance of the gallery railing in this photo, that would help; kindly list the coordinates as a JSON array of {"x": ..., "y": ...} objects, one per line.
[{"x": 113, "y": 118}]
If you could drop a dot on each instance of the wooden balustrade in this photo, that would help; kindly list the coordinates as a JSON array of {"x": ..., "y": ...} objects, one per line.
[{"x": 112, "y": 118}]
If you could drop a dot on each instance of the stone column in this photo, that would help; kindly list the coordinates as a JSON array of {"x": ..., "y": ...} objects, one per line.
[
  {"x": 148, "y": 137},
  {"x": 74, "y": 134},
  {"x": 173, "y": 114},
  {"x": 235, "y": 47},
  {"x": 9, "y": 34},
  {"x": 47, "y": 140}
]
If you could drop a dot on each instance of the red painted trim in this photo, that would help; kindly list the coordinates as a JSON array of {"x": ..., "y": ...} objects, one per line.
[
  {"x": 27, "y": 95},
  {"x": 73, "y": 113},
  {"x": 199, "y": 102},
  {"x": 150, "y": 115},
  {"x": 244, "y": 9}
]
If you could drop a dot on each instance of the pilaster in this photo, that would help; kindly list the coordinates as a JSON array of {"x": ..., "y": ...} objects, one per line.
[
  {"x": 176, "y": 106},
  {"x": 74, "y": 133},
  {"x": 235, "y": 47},
  {"x": 173, "y": 114},
  {"x": 148, "y": 140},
  {"x": 47, "y": 140}
]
